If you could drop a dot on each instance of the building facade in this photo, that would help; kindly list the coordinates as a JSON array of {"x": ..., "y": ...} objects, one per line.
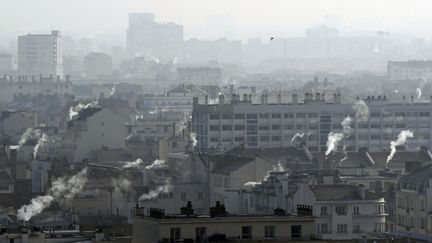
[
  {"x": 409, "y": 70},
  {"x": 274, "y": 125},
  {"x": 40, "y": 54}
]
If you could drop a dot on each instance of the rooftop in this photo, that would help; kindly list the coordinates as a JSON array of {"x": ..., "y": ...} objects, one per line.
[{"x": 340, "y": 192}]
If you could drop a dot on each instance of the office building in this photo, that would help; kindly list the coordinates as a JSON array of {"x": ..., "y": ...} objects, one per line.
[{"x": 40, "y": 54}]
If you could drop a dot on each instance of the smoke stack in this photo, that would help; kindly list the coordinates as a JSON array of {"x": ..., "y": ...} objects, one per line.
[
  {"x": 295, "y": 99},
  {"x": 245, "y": 97},
  {"x": 362, "y": 191},
  {"x": 13, "y": 161},
  {"x": 221, "y": 99}
]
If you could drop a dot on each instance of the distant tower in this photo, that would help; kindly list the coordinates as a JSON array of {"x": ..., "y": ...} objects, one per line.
[{"x": 40, "y": 54}]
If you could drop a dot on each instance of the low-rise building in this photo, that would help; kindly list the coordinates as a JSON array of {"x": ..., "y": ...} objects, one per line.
[{"x": 251, "y": 228}]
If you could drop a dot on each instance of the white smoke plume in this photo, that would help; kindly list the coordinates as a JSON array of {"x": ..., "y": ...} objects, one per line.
[
  {"x": 252, "y": 183},
  {"x": 361, "y": 111},
  {"x": 277, "y": 168},
  {"x": 346, "y": 125},
  {"x": 133, "y": 164},
  {"x": 333, "y": 140},
  {"x": 419, "y": 93},
  {"x": 154, "y": 193},
  {"x": 156, "y": 163},
  {"x": 193, "y": 140},
  {"x": 401, "y": 139},
  {"x": 29, "y": 134},
  {"x": 296, "y": 136},
  {"x": 113, "y": 90},
  {"x": 45, "y": 140},
  {"x": 63, "y": 187},
  {"x": 75, "y": 110}
]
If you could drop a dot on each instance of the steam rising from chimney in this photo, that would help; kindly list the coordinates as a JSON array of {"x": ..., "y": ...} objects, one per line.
[
  {"x": 277, "y": 168},
  {"x": 401, "y": 139},
  {"x": 74, "y": 111},
  {"x": 333, "y": 140},
  {"x": 29, "y": 134},
  {"x": 296, "y": 136},
  {"x": 154, "y": 193},
  {"x": 63, "y": 187},
  {"x": 133, "y": 164}
]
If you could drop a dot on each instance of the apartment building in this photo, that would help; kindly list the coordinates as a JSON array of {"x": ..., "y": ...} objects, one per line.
[
  {"x": 414, "y": 202},
  {"x": 274, "y": 124},
  {"x": 155, "y": 226},
  {"x": 344, "y": 212},
  {"x": 40, "y": 54},
  {"x": 93, "y": 129},
  {"x": 409, "y": 70}
]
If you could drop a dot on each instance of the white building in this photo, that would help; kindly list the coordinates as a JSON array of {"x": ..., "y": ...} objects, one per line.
[
  {"x": 274, "y": 125},
  {"x": 94, "y": 129},
  {"x": 50, "y": 85},
  {"x": 409, "y": 70},
  {"x": 344, "y": 212},
  {"x": 40, "y": 54},
  {"x": 231, "y": 173},
  {"x": 414, "y": 203},
  {"x": 98, "y": 64}
]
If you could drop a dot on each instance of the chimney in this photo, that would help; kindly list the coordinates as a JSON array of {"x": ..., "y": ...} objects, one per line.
[
  {"x": 362, "y": 191},
  {"x": 323, "y": 97},
  {"x": 233, "y": 98},
  {"x": 221, "y": 99},
  {"x": 279, "y": 98},
  {"x": 13, "y": 161},
  {"x": 262, "y": 99},
  {"x": 250, "y": 98},
  {"x": 245, "y": 97},
  {"x": 295, "y": 99},
  {"x": 306, "y": 99}
]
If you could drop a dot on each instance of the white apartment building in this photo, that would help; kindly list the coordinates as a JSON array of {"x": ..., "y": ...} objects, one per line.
[
  {"x": 10, "y": 88},
  {"x": 40, "y": 54},
  {"x": 274, "y": 125},
  {"x": 414, "y": 203},
  {"x": 344, "y": 212},
  {"x": 409, "y": 70},
  {"x": 94, "y": 129}
]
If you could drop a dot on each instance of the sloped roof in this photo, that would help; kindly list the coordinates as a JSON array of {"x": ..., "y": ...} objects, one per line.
[
  {"x": 227, "y": 163},
  {"x": 87, "y": 112},
  {"x": 417, "y": 179},
  {"x": 400, "y": 158},
  {"x": 340, "y": 192},
  {"x": 287, "y": 154},
  {"x": 5, "y": 177}
]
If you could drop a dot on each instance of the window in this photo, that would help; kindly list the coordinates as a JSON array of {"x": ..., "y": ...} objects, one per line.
[
  {"x": 275, "y": 138},
  {"x": 264, "y": 138},
  {"x": 324, "y": 211},
  {"x": 239, "y": 116},
  {"x": 356, "y": 210},
  {"x": 269, "y": 232},
  {"x": 424, "y": 114},
  {"x": 252, "y": 116},
  {"x": 4, "y": 188},
  {"x": 183, "y": 195},
  {"x": 356, "y": 228},
  {"x": 313, "y": 115},
  {"x": 264, "y": 127},
  {"x": 300, "y": 115},
  {"x": 372, "y": 185},
  {"x": 276, "y": 115},
  {"x": 246, "y": 232},
  {"x": 275, "y": 127},
  {"x": 239, "y": 127},
  {"x": 214, "y": 116},
  {"x": 264, "y": 115},
  {"x": 200, "y": 196},
  {"x": 227, "y": 127},
  {"x": 341, "y": 210},
  {"x": 295, "y": 231},
  {"x": 175, "y": 234},
  {"x": 200, "y": 234},
  {"x": 323, "y": 228},
  {"x": 288, "y": 115},
  {"x": 239, "y": 139},
  {"x": 227, "y": 116},
  {"x": 342, "y": 228},
  {"x": 214, "y": 128}
]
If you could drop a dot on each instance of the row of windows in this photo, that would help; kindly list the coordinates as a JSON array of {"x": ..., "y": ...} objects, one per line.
[
  {"x": 246, "y": 233},
  {"x": 312, "y": 115}
]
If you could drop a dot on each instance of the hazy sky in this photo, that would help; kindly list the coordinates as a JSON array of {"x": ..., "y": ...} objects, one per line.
[{"x": 210, "y": 18}]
